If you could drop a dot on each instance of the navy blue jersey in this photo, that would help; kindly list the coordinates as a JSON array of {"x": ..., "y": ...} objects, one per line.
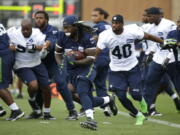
[
  {"x": 175, "y": 34},
  {"x": 4, "y": 41},
  {"x": 98, "y": 28},
  {"x": 51, "y": 35},
  {"x": 67, "y": 44},
  {"x": 101, "y": 26}
]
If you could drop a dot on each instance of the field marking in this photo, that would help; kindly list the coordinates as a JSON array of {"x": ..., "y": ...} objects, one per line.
[{"x": 162, "y": 122}]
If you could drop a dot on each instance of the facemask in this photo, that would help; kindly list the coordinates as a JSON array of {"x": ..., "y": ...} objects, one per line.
[{"x": 67, "y": 34}]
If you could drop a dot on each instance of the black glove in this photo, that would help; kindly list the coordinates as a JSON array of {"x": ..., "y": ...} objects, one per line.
[
  {"x": 148, "y": 59},
  {"x": 20, "y": 48},
  {"x": 169, "y": 43},
  {"x": 31, "y": 48}
]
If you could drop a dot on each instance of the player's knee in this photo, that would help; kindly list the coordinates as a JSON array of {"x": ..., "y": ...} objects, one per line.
[
  {"x": 33, "y": 85},
  {"x": 121, "y": 95}
]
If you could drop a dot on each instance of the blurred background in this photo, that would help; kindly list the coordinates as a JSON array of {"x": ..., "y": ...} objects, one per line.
[{"x": 12, "y": 11}]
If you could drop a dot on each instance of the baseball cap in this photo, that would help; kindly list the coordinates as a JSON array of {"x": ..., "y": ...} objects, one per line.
[{"x": 69, "y": 20}]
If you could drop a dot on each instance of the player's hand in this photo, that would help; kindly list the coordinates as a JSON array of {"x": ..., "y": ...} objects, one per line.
[
  {"x": 20, "y": 48},
  {"x": 62, "y": 69},
  {"x": 169, "y": 43},
  {"x": 31, "y": 48},
  {"x": 12, "y": 47}
]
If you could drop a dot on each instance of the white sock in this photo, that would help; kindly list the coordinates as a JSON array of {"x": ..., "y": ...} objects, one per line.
[
  {"x": 152, "y": 106},
  {"x": 46, "y": 110},
  {"x": 13, "y": 106},
  {"x": 139, "y": 114},
  {"x": 37, "y": 111},
  {"x": 174, "y": 96},
  {"x": 89, "y": 113},
  {"x": 106, "y": 99}
]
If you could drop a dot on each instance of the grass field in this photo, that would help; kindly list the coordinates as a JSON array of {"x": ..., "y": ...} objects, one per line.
[{"x": 116, "y": 125}]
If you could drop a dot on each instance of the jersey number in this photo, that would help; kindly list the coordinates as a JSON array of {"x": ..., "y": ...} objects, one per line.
[{"x": 126, "y": 51}]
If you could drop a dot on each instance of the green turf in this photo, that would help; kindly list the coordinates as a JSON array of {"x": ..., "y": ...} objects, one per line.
[{"x": 116, "y": 125}]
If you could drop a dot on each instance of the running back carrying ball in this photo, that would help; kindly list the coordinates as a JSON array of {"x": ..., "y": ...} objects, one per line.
[{"x": 77, "y": 54}]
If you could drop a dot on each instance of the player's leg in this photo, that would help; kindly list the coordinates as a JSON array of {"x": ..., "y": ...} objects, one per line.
[
  {"x": 135, "y": 83},
  {"x": 62, "y": 87},
  {"x": 152, "y": 83},
  {"x": 29, "y": 78},
  {"x": 6, "y": 63},
  {"x": 19, "y": 85},
  {"x": 44, "y": 82},
  {"x": 118, "y": 83}
]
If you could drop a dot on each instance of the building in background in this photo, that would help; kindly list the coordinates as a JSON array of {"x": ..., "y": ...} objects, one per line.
[{"x": 12, "y": 11}]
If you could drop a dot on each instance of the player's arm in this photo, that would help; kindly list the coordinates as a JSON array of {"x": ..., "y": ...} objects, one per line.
[
  {"x": 86, "y": 61},
  {"x": 153, "y": 38},
  {"x": 58, "y": 54}
]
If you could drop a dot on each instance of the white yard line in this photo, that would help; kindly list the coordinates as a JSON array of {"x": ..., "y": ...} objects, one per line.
[{"x": 162, "y": 122}]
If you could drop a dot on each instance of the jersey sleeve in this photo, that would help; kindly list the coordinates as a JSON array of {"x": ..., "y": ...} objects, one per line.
[
  {"x": 51, "y": 36},
  {"x": 101, "y": 44},
  {"x": 138, "y": 32}
]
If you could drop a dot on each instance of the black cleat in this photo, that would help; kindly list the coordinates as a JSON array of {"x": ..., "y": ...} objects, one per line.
[
  {"x": 47, "y": 116},
  {"x": 107, "y": 111},
  {"x": 16, "y": 114},
  {"x": 2, "y": 112},
  {"x": 89, "y": 124},
  {"x": 34, "y": 115},
  {"x": 72, "y": 115},
  {"x": 112, "y": 105},
  {"x": 177, "y": 104}
]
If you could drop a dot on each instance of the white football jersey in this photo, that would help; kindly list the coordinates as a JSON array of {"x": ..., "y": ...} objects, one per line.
[
  {"x": 148, "y": 45},
  {"x": 161, "y": 30},
  {"x": 122, "y": 49},
  {"x": 25, "y": 58}
]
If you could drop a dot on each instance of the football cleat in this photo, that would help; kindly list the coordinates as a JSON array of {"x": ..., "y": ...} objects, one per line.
[
  {"x": 34, "y": 115},
  {"x": 2, "y": 112},
  {"x": 107, "y": 111},
  {"x": 89, "y": 124},
  {"x": 16, "y": 114},
  {"x": 112, "y": 105},
  {"x": 47, "y": 116},
  {"x": 72, "y": 115},
  {"x": 140, "y": 119}
]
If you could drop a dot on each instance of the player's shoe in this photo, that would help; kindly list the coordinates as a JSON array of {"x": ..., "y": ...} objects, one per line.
[
  {"x": 81, "y": 113},
  {"x": 140, "y": 119},
  {"x": 112, "y": 105},
  {"x": 177, "y": 104},
  {"x": 72, "y": 115},
  {"x": 16, "y": 114},
  {"x": 107, "y": 111},
  {"x": 19, "y": 96},
  {"x": 143, "y": 106},
  {"x": 89, "y": 124},
  {"x": 34, "y": 115},
  {"x": 155, "y": 113},
  {"x": 2, "y": 112},
  {"x": 47, "y": 116}
]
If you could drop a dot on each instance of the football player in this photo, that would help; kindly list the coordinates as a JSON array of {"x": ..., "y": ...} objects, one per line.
[
  {"x": 76, "y": 36},
  {"x": 163, "y": 60},
  {"x": 41, "y": 19},
  {"x": 6, "y": 65},
  {"x": 99, "y": 17},
  {"x": 124, "y": 69},
  {"x": 27, "y": 42}
]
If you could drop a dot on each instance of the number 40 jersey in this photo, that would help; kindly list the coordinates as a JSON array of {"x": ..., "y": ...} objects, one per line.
[{"x": 122, "y": 48}]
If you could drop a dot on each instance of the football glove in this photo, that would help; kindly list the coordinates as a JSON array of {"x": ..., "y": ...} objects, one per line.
[
  {"x": 31, "y": 48},
  {"x": 70, "y": 59},
  {"x": 169, "y": 43}
]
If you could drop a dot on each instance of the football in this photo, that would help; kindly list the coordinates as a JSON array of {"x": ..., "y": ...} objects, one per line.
[{"x": 78, "y": 54}]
